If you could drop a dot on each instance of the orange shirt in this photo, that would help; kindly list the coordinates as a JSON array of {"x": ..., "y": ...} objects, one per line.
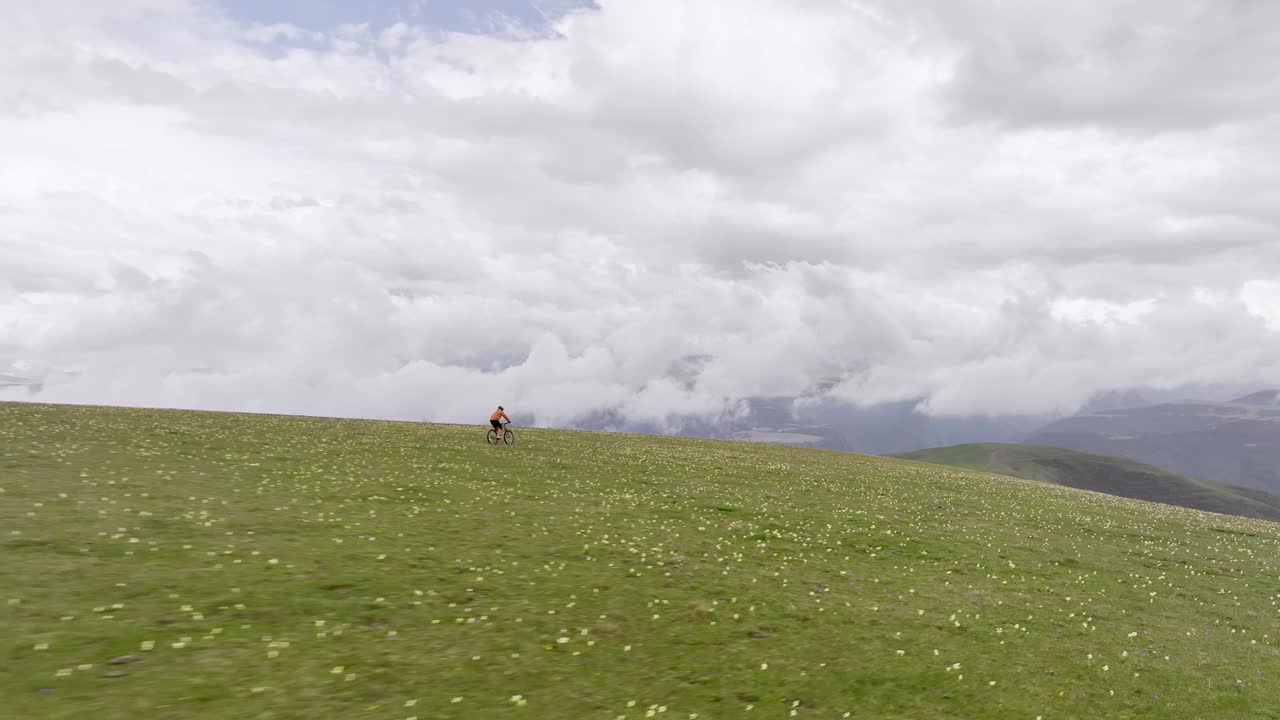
[{"x": 499, "y": 414}]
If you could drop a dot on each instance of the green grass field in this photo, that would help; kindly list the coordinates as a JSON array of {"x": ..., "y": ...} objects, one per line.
[
  {"x": 1107, "y": 474},
  {"x": 276, "y": 567}
]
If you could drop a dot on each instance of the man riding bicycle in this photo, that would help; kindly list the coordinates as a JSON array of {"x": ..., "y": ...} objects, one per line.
[{"x": 496, "y": 419}]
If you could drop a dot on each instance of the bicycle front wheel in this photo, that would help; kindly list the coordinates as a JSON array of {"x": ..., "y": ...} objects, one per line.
[{"x": 508, "y": 437}]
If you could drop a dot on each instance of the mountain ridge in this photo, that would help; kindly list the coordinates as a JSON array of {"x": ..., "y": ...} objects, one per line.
[
  {"x": 1235, "y": 442},
  {"x": 1106, "y": 474}
]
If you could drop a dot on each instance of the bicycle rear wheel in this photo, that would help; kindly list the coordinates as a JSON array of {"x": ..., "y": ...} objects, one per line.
[
  {"x": 508, "y": 437},
  {"x": 491, "y": 437}
]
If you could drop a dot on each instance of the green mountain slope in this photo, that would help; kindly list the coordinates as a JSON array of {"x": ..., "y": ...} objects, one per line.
[
  {"x": 1105, "y": 474},
  {"x": 244, "y": 566}
]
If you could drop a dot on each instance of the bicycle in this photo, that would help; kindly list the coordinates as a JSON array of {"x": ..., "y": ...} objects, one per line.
[{"x": 507, "y": 437}]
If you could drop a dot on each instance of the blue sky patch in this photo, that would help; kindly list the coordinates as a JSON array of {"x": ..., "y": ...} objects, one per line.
[{"x": 459, "y": 15}]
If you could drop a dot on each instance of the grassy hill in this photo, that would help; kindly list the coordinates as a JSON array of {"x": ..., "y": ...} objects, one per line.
[
  {"x": 1106, "y": 474},
  {"x": 279, "y": 567}
]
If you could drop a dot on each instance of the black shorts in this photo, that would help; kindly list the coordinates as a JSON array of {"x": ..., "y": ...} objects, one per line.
[{"x": 497, "y": 424}]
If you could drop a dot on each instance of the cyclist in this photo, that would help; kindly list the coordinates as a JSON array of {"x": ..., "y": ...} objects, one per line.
[{"x": 496, "y": 419}]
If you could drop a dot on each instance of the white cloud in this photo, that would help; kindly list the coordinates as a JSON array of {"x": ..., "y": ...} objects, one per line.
[{"x": 655, "y": 211}]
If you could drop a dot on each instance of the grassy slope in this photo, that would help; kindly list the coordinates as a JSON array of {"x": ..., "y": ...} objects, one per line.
[
  {"x": 1103, "y": 473},
  {"x": 313, "y": 568}
]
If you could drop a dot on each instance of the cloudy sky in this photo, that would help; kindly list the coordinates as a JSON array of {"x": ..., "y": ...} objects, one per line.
[{"x": 654, "y": 208}]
